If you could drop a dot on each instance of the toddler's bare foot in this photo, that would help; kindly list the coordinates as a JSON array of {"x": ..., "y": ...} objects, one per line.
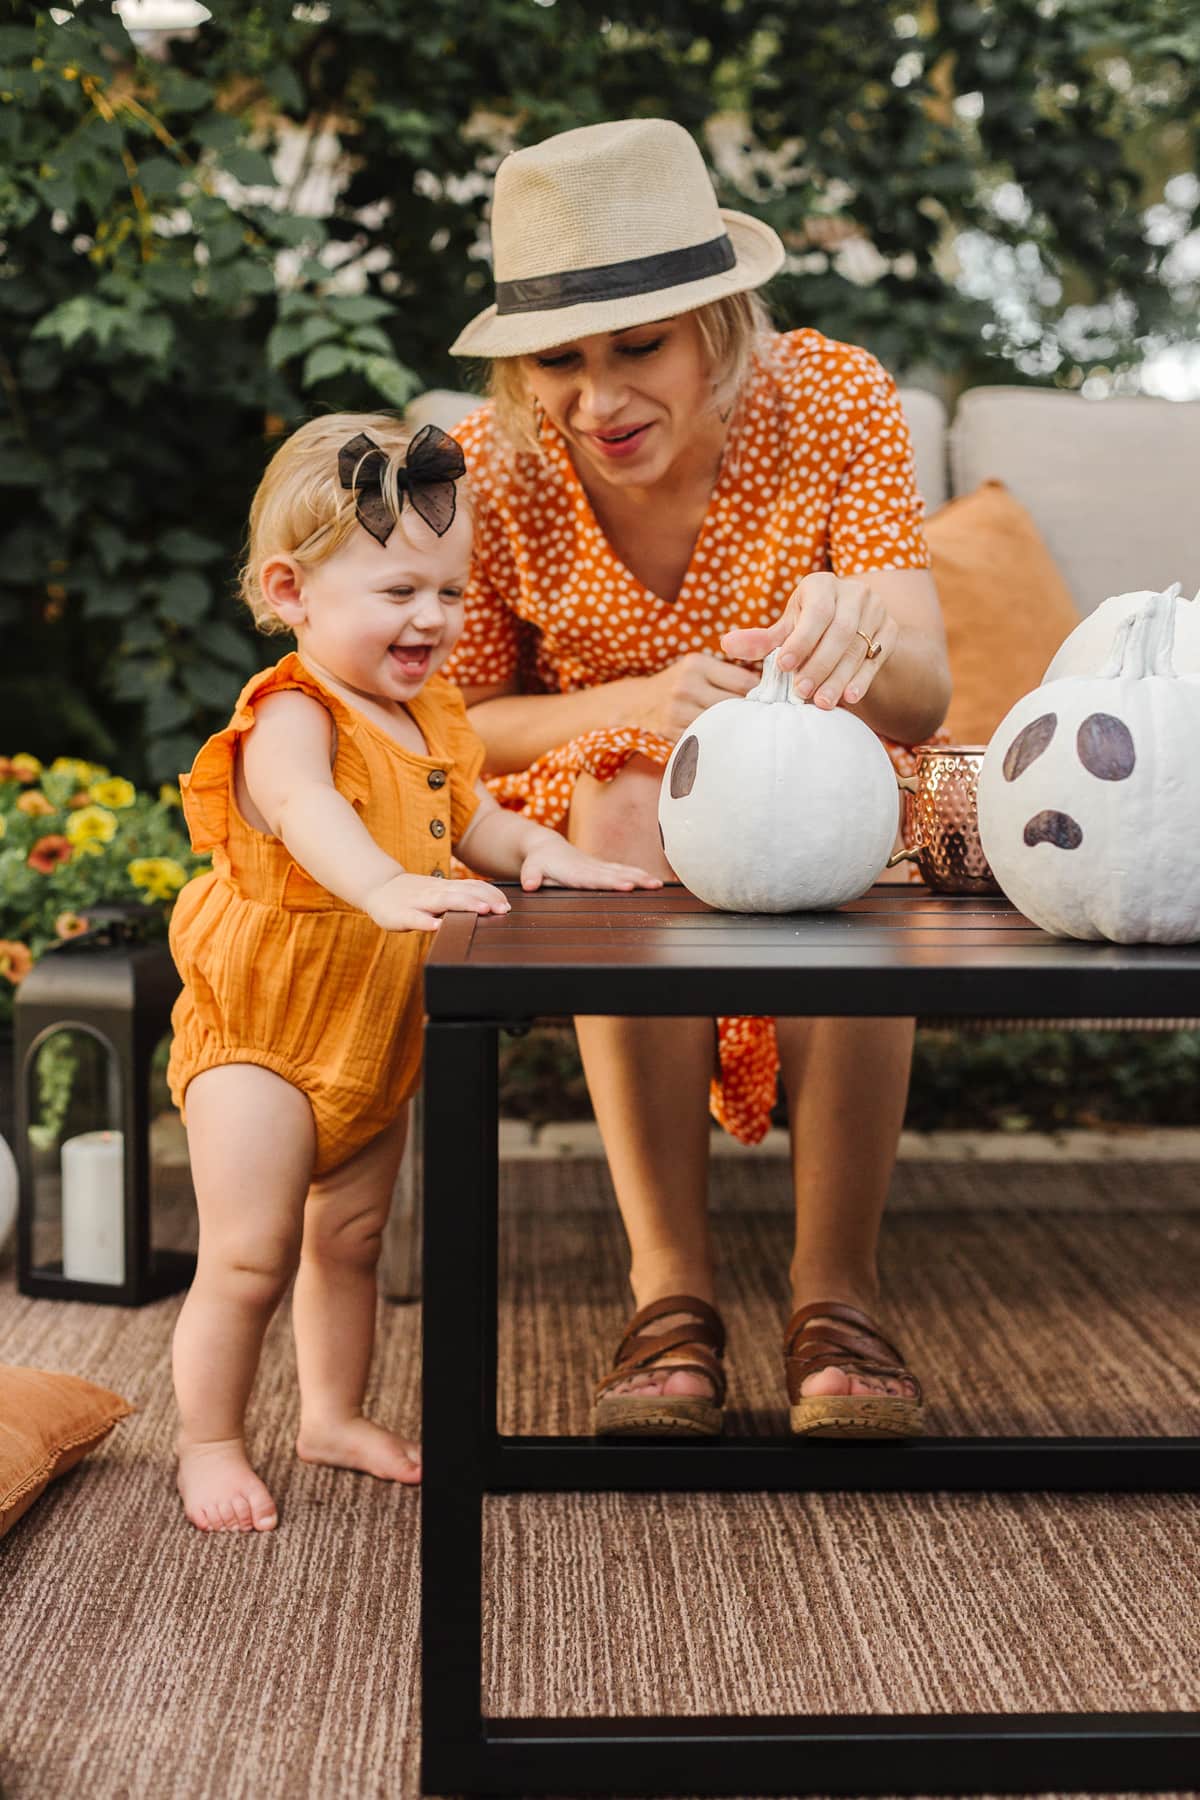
[
  {"x": 359, "y": 1443},
  {"x": 220, "y": 1490}
]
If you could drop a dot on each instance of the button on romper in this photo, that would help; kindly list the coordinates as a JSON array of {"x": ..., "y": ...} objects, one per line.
[{"x": 279, "y": 972}]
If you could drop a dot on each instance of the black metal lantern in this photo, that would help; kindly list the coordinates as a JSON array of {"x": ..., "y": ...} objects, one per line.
[{"x": 88, "y": 1019}]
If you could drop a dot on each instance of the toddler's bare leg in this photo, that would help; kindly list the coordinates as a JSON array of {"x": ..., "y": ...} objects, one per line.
[
  {"x": 333, "y": 1314},
  {"x": 251, "y": 1142}
]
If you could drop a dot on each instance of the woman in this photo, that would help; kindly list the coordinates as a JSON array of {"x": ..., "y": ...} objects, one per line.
[{"x": 665, "y": 490}]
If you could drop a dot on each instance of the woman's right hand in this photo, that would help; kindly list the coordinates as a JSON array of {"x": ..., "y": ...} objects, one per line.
[
  {"x": 415, "y": 902},
  {"x": 667, "y": 703}
]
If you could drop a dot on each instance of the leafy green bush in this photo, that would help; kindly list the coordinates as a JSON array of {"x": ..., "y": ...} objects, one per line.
[{"x": 285, "y": 211}]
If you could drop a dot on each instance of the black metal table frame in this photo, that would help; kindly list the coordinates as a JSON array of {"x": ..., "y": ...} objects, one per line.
[{"x": 465, "y": 1459}]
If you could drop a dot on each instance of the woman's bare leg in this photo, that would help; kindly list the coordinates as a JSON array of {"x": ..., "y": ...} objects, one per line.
[
  {"x": 251, "y": 1142},
  {"x": 333, "y": 1314},
  {"x": 648, "y": 1079},
  {"x": 846, "y": 1082}
]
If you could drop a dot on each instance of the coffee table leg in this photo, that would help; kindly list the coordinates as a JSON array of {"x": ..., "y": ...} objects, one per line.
[{"x": 459, "y": 1385}]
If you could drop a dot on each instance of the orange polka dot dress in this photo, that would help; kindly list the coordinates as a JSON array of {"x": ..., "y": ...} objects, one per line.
[
  {"x": 279, "y": 972},
  {"x": 817, "y": 474}
]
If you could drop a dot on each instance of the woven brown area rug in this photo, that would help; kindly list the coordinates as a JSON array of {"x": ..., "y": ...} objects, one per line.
[{"x": 138, "y": 1659}]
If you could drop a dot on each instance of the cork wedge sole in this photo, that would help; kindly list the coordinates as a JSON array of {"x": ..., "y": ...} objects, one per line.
[
  {"x": 857, "y": 1416},
  {"x": 656, "y": 1415}
]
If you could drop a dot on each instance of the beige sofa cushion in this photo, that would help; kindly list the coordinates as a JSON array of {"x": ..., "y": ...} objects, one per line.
[
  {"x": 926, "y": 418},
  {"x": 1111, "y": 484}
]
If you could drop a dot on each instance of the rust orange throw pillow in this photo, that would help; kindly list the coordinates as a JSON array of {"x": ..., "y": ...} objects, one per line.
[
  {"x": 1007, "y": 608},
  {"x": 48, "y": 1423}
]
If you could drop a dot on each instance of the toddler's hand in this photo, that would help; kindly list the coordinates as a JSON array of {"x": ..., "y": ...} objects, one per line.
[
  {"x": 415, "y": 902},
  {"x": 561, "y": 862}
]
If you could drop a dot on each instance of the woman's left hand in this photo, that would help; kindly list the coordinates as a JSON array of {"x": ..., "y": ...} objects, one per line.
[{"x": 834, "y": 632}]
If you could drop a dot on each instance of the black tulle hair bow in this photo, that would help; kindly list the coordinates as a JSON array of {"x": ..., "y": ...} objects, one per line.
[{"x": 432, "y": 465}]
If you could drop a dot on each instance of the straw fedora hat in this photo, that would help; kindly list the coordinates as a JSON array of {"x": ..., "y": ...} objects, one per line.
[{"x": 606, "y": 227}]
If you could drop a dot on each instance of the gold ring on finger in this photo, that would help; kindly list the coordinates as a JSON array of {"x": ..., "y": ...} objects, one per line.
[{"x": 873, "y": 649}]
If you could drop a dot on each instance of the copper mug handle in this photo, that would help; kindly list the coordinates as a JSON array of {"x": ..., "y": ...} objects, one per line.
[{"x": 911, "y": 852}]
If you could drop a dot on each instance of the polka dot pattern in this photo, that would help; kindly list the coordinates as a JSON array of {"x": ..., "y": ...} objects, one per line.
[{"x": 817, "y": 474}]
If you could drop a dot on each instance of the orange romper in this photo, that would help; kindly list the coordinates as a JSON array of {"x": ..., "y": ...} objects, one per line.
[
  {"x": 277, "y": 970},
  {"x": 817, "y": 473}
]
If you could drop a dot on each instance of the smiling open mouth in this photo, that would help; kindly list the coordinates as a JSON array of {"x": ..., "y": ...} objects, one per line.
[{"x": 412, "y": 659}]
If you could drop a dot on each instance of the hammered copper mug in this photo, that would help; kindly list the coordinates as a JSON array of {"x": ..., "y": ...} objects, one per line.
[{"x": 941, "y": 821}]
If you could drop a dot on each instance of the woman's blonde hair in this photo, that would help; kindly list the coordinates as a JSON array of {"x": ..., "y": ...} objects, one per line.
[
  {"x": 301, "y": 508},
  {"x": 730, "y": 329}
]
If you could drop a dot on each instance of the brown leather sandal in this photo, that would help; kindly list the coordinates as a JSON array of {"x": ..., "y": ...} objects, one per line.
[
  {"x": 857, "y": 1346},
  {"x": 648, "y": 1414}
]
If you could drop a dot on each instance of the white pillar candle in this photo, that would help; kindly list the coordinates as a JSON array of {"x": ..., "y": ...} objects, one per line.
[{"x": 93, "y": 1207}]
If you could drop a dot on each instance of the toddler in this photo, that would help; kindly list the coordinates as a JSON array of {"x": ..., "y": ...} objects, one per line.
[{"x": 331, "y": 803}]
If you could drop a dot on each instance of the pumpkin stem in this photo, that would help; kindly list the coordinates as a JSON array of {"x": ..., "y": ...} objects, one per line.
[
  {"x": 775, "y": 685},
  {"x": 1145, "y": 640}
]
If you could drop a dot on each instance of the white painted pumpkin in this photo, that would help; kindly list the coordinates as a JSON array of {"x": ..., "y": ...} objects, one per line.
[
  {"x": 1089, "y": 795},
  {"x": 1086, "y": 650},
  {"x": 769, "y": 804}
]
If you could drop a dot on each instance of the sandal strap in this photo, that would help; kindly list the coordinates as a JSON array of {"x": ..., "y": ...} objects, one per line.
[
  {"x": 708, "y": 1328},
  {"x": 846, "y": 1338}
]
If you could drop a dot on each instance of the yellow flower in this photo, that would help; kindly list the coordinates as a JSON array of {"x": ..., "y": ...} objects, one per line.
[
  {"x": 115, "y": 792},
  {"x": 3, "y": 825},
  {"x": 169, "y": 794},
  {"x": 159, "y": 876},
  {"x": 91, "y": 825},
  {"x": 82, "y": 772},
  {"x": 26, "y": 768}
]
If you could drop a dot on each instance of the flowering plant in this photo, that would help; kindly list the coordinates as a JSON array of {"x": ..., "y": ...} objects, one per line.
[{"x": 74, "y": 836}]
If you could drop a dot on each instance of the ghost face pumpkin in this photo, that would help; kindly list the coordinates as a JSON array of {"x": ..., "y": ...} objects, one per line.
[
  {"x": 1089, "y": 795},
  {"x": 769, "y": 804},
  {"x": 1086, "y": 650}
]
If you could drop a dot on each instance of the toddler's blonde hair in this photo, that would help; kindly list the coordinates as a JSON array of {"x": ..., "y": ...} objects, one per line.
[
  {"x": 730, "y": 330},
  {"x": 301, "y": 508}
]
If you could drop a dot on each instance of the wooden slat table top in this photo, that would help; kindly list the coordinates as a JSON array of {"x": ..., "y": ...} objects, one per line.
[{"x": 897, "y": 951}]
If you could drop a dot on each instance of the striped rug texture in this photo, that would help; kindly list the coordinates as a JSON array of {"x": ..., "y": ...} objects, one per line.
[{"x": 141, "y": 1661}]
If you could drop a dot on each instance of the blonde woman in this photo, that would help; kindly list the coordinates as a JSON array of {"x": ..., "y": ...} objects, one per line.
[{"x": 666, "y": 489}]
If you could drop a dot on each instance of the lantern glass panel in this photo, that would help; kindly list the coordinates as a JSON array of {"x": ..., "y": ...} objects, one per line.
[
  {"x": 77, "y": 1157},
  {"x": 173, "y": 1223}
]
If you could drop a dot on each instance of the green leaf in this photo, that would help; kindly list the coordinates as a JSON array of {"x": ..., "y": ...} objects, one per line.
[
  {"x": 396, "y": 383},
  {"x": 285, "y": 85},
  {"x": 183, "y": 546},
  {"x": 360, "y": 309},
  {"x": 167, "y": 758},
  {"x": 185, "y": 598},
  {"x": 229, "y": 645},
  {"x": 114, "y": 601},
  {"x": 210, "y": 684},
  {"x": 167, "y": 708},
  {"x": 324, "y": 362},
  {"x": 249, "y": 167}
]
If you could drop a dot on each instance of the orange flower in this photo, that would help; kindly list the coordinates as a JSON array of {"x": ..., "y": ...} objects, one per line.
[
  {"x": 34, "y": 803},
  {"x": 16, "y": 960},
  {"x": 48, "y": 852},
  {"x": 70, "y": 924}
]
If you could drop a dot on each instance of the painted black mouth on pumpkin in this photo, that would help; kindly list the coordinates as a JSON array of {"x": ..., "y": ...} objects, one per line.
[{"x": 1057, "y": 828}]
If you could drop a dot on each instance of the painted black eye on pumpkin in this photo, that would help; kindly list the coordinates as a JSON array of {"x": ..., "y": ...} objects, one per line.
[
  {"x": 683, "y": 769},
  {"x": 1105, "y": 747},
  {"x": 1028, "y": 745}
]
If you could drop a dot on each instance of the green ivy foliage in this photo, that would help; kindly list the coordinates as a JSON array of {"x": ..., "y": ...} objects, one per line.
[{"x": 167, "y": 311}]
